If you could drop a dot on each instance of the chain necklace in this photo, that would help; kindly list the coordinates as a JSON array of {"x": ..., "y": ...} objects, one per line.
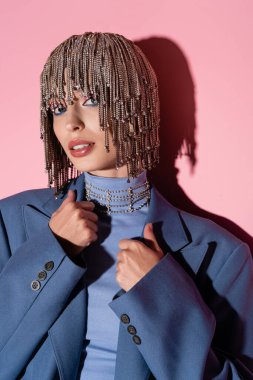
[{"x": 112, "y": 201}]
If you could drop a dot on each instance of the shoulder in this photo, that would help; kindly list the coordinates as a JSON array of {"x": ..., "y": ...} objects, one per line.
[
  {"x": 203, "y": 230},
  {"x": 34, "y": 196},
  {"x": 206, "y": 228},
  {"x": 218, "y": 239}
]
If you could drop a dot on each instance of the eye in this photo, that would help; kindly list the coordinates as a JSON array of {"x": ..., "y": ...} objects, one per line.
[
  {"x": 91, "y": 102},
  {"x": 58, "y": 110}
]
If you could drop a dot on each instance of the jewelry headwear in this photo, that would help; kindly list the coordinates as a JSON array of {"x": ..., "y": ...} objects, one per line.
[{"x": 114, "y": 71}]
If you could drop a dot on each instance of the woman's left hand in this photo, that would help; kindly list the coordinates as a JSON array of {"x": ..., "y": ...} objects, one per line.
[{"x": 135, "y": 259}]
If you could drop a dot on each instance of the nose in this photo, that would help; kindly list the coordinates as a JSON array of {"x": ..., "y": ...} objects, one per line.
[{"x": 73, "y": 122}]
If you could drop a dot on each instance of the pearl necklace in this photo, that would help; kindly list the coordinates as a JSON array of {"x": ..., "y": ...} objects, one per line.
[{"x": 110, "y": 201}]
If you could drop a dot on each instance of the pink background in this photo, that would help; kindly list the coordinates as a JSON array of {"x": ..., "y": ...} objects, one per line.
[{"x": 202, "y": 52}]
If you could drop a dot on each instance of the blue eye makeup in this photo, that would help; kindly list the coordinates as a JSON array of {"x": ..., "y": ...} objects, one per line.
[
  {"x": 59, "y": 110},
  {"x": 93, "y": 102}
]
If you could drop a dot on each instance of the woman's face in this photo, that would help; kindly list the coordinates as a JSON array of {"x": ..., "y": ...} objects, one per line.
[{"x": 77, "y": 128}]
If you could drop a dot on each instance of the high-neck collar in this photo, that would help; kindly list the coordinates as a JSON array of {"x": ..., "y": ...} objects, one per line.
[{"x": 101, "y": 190}]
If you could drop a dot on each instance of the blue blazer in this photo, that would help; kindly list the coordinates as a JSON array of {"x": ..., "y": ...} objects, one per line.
[{"x": 193, "y": 312}]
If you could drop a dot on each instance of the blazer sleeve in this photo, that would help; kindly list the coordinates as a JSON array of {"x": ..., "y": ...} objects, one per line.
[
  {"x": 179, "y": 334},
  {"x": 28, "y": 309}
]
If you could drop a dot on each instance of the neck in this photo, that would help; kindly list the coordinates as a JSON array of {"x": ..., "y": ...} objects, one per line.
[
  {"x": 111, "y": 173},
  {"x": 117, "y": 194}
]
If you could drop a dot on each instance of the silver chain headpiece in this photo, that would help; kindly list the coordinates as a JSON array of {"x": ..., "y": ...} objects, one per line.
[{"x": 115, "y": 71}]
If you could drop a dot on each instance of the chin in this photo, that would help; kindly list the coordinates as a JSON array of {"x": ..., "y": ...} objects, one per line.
[
  {"x": 83, "y": 166},
  {"x": 92, "y": 168}
]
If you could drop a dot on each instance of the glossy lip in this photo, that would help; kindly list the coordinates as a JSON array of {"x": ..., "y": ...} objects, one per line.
[
  {"x": 78, "y": 142},
  {"x": 81, "y": 152}
]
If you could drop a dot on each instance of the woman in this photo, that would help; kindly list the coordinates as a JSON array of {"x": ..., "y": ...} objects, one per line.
[{"x": 103, "y": 278}]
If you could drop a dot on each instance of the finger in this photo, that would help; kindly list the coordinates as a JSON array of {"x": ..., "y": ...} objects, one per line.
[
  {"x": 71, "y": 197},
  {"x": 86, "y": 205},
  {"x": 91, "y": 225},
  {"x": 122, "y": 255},
  {"x": 150, "y": 237},
  {"x": 94, "y": 236},
  {"x": 90, "y": 215},
  {"x": 118, "y": 267},
  {"x": 125, "y": 243}
]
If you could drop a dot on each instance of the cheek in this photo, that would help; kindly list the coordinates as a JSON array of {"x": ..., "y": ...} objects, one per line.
[
  {"x": 58, "y": 133},
  {"x": 90, "y": 116},
  {"x": 111, "y": 156}
]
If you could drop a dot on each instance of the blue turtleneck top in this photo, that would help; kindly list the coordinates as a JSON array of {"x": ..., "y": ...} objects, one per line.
[{"x": 100, "y": 345}]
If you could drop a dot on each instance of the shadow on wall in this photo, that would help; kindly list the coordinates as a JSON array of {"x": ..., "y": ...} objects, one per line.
[{"x": 177, "y": 102}]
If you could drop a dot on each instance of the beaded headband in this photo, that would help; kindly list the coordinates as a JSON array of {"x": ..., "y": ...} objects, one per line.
[{"x": 115, "y": 71}]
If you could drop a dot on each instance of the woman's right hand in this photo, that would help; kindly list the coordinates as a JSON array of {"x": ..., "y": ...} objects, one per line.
[{"x": 74, "y": 224}]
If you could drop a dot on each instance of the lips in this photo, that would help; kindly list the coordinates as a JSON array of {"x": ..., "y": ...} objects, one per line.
[
  {"x": 72, "y": 143},
  {"x": 80, "y": 151}
]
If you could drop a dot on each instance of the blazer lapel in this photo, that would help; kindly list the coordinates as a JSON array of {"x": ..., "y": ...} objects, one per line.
[
  {"x": 167, "y": 223},
  {"x": 35, "y": 216},
  {"x": 174, "y": 235},
  {"x": 53, "y": 204}
]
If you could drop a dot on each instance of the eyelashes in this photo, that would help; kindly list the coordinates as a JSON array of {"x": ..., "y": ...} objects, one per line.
[
  {"x": 94, "y": 102},
  {"x": 60, "y": 108}
]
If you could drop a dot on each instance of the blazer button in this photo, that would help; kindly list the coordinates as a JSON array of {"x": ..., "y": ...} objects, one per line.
[
  {"x": 49, "y": 265},
  {"x": 125, "y": 318},
  {"x": 35, "y": 285},
  {"x": 42, "y": 275},
  {"x": 136, "y": 339},
  {"x": 131, "y": 329}
]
